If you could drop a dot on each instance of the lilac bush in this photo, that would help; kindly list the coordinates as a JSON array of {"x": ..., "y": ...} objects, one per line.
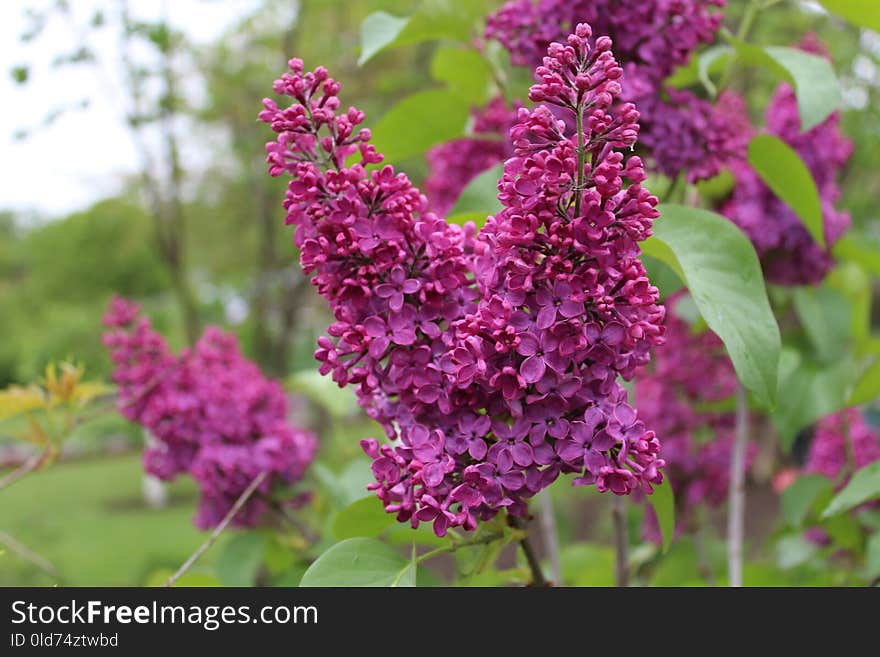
[
  {"x": 491, "y": 359},
  {"x": 212, "y": 412}
]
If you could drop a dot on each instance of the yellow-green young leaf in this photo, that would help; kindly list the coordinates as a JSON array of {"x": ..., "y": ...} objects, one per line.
[
  {"x": 16, "y": 400},
  {"x": 663, "y": 502},
  {"x": 364, "y": 517},
  {"x": 720, "y": 268},
  {"x": 867, "y": 388},
  {"x": 786, "y": 174},
  {"x": 85, "y": 392},
  {"x": 480, "y": 195},
  {"x": 465, "y": 71},
  {"x": 360, "y": 562},
  {"x": 478, "y": 218},
  {"x": 864, "y": 13},
  {"x": 864, "y": 486},
  {"x": 418, "y": 122}
]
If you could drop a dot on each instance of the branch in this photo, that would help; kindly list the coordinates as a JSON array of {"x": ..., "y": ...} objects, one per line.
[
  {"x": 736, "y": 509},
  {"x": 240, "y": 502},
  {"x": 550, "y": 534},
  {"x": 31, "y": 464},
  {"x": 28, "y": 555},
  {"x": 621, "y": 541}
]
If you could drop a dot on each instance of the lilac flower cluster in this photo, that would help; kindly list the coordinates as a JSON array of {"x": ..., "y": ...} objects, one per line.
[
  {"x": 685, "y": 133},
  {"x": 212, "y": 412},
  {"x": 842, "y": 443},
  {"x": 455, "y": 163},
  {"x": 788, "y": 253},
  {"x": 491, "y": 361},
  {"x": 680, "y": 132},
  {"x": 681, "y": 395}
]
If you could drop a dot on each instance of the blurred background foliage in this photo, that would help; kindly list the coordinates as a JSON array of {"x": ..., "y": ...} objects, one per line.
[{"x": 239, "y": 262}]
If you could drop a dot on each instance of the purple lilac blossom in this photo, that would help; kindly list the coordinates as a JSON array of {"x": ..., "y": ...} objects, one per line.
[
  {"x": 842, "y": 443},
  {"x": 678, "y": 395},
  {"x": 213, "y": 414},
  {"x": 680, "y": 132},
  {"x": 499, "y": 370},
  {"x": 788, "y": 253}
]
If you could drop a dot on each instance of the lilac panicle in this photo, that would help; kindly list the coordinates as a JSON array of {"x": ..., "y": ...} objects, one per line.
[
  {"x": 680, "y": 132},
  {"x": 492, "y": 360},
  {"x": 211, "y": 411},
  {"x": 842, "y": 443}
]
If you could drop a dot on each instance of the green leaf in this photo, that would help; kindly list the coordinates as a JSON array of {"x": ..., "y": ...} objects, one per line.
[
  {"x": 241, "y": 558},
  {"x": 347, "y": 486},
  {"x": 792, "y": 551},
  {"x": 721, "y": 270},
  {"x": 481, "y": 195},
  {"x": 465, "y": 71},
  {"x": 798, "y": 498},
  {"x": 663, "y": 502},
  {"x": 807, "y": 392},
  {"x": 365, "y": 517},
  {"x": 811, "y": 76},
  {"x": 378, "y": 31},
  {"x": 585, "y": 564},
  {"x": 786, "y": 174},
  {"x": 867, "y": 388},
  {"x": 360, "y": 562},
  {"x": 432, "y": 20},
  {"x": 711, "y": 60},
  {"x": 418, "y": 122},
  {"x": 872, "y": 556},
  {"x": 814, "y": 81},
  {"x": 864, "y": 13},
  {"x": 864, "y": 486},
  {"x": 662, "y": 276},
  {"x": 825, "y": 316}
]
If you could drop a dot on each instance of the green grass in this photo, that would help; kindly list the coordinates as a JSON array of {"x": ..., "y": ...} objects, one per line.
[{"x": 88, "y": 518}]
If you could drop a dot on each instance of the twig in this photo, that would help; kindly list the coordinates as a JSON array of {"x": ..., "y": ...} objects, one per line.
[
  {"x": 32, "y": 463},
  {"x": 294, "y": 522},
  {"x": 28, "y": 555},
  {"x": 703, "y": 563},
  {"x": 737, "y": 493},
  {"x": 550, "y": 534},
  {"x": 534, "y": 564},
  {"x": 240, "y": 502},
  {"x": 621, "y": 541}
]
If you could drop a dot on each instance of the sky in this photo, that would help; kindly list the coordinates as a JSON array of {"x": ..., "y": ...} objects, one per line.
[{"x": 84, "y": 155}]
